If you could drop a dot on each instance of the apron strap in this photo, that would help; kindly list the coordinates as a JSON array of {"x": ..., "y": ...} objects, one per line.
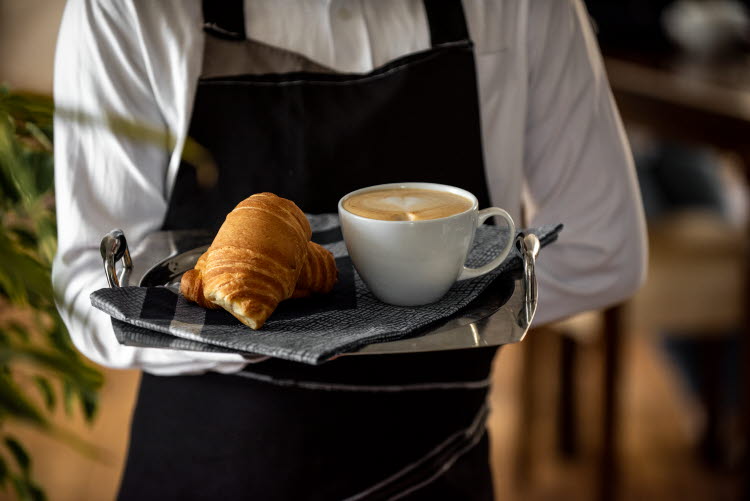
[
  {"x": 226, "y": 19},
  {"x": 447, "y": 21}
]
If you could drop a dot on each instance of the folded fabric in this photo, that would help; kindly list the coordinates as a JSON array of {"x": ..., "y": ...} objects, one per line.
[{"x": 309, "y": 330}]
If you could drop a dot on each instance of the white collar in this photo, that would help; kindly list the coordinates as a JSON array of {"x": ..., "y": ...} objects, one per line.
[{"x": 353, "y": 36}]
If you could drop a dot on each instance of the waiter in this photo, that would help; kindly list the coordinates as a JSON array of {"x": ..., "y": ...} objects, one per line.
[{"x": 311, "y": 100}]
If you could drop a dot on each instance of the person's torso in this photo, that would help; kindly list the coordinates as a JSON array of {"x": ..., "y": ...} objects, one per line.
[{"x": 500, "y": 31}]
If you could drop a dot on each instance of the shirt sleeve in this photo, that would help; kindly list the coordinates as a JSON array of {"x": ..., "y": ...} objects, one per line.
[
  {"x": 578, "y": 168},
  {"x": 105, "y": 180}
]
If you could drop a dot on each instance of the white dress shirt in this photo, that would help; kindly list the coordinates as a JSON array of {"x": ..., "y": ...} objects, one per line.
[{"x": 550, "y": 131}]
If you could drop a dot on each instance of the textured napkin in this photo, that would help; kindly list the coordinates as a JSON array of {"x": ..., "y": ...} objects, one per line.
[{"x": 309, "y": 330}]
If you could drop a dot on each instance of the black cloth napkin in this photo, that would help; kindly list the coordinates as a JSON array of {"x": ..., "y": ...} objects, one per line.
[{"x": 309, "y": 330}]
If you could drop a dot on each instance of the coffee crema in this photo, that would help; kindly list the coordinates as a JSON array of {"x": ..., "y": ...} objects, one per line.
[{"x": 406, "y": 204}]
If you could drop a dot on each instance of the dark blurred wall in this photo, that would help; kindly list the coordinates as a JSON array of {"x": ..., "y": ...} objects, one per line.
[
  {"x": 637, "y": 25},
  {"x": 630, "y": 24}
]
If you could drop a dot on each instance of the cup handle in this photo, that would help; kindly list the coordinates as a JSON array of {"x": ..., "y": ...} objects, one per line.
[{"x": 497, "y": 261}]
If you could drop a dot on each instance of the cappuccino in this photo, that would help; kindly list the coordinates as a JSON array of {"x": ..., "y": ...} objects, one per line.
[
  {"x": 406, "y": 204},
  {"x": 415, "y": 262}
]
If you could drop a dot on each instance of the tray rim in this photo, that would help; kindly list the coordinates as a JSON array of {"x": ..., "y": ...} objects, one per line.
[{"x": 507, "y": 323}]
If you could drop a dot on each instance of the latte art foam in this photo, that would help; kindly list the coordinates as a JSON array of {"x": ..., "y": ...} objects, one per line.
[{"x": 406, "y": 204}]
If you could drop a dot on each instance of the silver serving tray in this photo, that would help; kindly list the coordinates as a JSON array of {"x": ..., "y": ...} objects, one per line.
[{"x": 501, "y": 315}]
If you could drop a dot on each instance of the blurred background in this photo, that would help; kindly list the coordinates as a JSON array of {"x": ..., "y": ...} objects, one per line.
[{"x": 646, "y": 400}]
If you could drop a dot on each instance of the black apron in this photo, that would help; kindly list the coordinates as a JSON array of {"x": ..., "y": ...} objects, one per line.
[{"x": 407, "y": 426}]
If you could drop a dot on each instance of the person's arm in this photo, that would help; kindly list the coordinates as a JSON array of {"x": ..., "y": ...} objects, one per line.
[
  {"x": 578, "y": 168},
  {"x": 104, "y": 180}
]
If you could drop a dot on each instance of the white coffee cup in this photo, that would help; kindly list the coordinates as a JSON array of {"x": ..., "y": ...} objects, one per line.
[{"x": 410, "y": 263}]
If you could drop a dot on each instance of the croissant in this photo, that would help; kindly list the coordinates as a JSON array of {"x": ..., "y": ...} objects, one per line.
[
  {"x": 260, "y": 256},
  {"x": 319, "y": 273},
  {"x": 191, "y": 284},
  {"x": 256, "y": 258},
  {"x": 318, "y": 276}
]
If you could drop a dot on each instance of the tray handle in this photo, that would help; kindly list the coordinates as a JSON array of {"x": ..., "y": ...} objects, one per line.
[
  {"x": 528, "y": 245},
  {"x": 114, "y": 247}
]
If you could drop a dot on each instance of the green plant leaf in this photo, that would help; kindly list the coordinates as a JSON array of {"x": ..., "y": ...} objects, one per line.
[
  {"x": 19, "y": 331},
  {"x": 9, "y": 194},
  {"x": 21, "y": 276},
  {"x": 42, "y": 138},
  {"x": 47, "y": 232},
  {"x": 26, "y": 489},
  {"x": 19, "y": 453},
  {"x": 24, "y": 236},
  {"x": 59, "y": 338},
  {"x": 78, "y": 374},
  {"x": 28, "y": 107},
  {"x": 89, "y": 404},
  {"x": 48, "y": 393},
  {"x": 37, "y": 494},
  {"x": 20, "y": 485},
  {"x": 3, "y": 472},
  {"x": 9, "y": 189},
  {"x": 28, "y": 240},
  {"x": 69, "y": 395},
  {"x": 18, "y": 179},
  {"x": 40, "y": 166},
  {"x": 13, "y": 403}
]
